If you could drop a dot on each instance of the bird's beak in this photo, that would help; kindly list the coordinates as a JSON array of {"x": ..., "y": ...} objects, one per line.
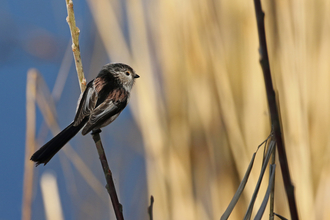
[{"x": 136, "y": 76}]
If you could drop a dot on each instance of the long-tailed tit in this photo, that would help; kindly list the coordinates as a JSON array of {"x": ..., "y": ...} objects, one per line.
[{"x": 100, "y": 104}]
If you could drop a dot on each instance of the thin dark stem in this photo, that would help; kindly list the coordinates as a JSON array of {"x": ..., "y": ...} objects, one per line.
[
  {"x": 275, "y": 121},
  {"x": 108, "y": 176},
  {"x": 272, "y": 193},
  {"x": 150, "y": 208}
]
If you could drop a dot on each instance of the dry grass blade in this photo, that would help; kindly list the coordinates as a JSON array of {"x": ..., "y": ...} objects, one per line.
[
  {"x": 266, "y": 197},
  {"x": 62, "y": 75},
  {"x": 239, "y": 191},
  {"x": 46, "y": 103},
  {"x": 262, "y": 172},
  {"x": 241, "y": 186}
]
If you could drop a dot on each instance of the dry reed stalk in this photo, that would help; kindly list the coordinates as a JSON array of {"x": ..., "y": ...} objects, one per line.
[{"x": 30, "y": 145}]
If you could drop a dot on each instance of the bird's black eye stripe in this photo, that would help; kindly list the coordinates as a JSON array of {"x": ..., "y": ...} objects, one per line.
[{"x": 127, "y": 73}]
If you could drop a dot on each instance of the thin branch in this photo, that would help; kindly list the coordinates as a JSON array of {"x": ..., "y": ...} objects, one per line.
[
  {"x": 75, "y": 44},
  {"x": 108, "y": 175},
  {"x": 275, "y": 120}
]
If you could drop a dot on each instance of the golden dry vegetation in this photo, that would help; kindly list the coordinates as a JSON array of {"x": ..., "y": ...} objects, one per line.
[{"x": 201, "y": 107}]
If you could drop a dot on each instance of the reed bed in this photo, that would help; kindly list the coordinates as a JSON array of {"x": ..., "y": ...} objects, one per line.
[{"x": 201, "y": 107}]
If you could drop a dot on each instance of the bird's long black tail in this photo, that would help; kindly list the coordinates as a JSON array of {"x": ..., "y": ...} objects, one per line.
[{"x": 46, "y": 152}]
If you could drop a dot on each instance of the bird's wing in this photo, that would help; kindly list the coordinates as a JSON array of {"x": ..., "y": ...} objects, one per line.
[
  {"x": 86, "y": 103},
  {"x": 115, "y": 102}
]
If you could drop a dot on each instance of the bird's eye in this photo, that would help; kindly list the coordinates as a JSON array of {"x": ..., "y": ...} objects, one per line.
[{"x": 127, "y": 73}]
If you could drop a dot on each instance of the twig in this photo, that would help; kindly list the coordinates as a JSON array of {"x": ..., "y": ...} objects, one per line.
[
  {"x": 75, "y": 44},
  {"x": 275, "y": 121},
  {"x": 96, "y": 136},
  {"x": 108, "y": 175},
  {"x": 150, "y": 208}
]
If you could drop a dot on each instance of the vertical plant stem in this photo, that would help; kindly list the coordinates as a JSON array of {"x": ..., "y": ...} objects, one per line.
[
  {"x": 275, "y": 121},
  {"x": 108, "y": 175},
  {"x": 75, "y": 44},
  {"x": 30, "y": 143}
]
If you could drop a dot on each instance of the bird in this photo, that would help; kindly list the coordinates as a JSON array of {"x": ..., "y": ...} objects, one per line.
[{"x": 100, "y": 104}]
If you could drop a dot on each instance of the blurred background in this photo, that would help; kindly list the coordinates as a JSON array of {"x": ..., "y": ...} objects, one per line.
[{"x": 196, "y": 115}]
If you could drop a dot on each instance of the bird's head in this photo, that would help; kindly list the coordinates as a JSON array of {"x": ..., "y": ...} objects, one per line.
[{"x": 124, "y": 74}]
